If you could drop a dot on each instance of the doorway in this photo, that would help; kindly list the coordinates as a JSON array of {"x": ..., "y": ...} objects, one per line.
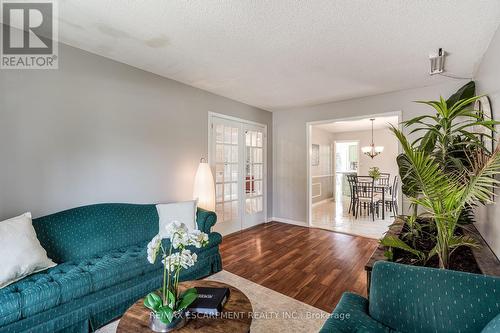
[
  {"x": 349, "y": 138},
  {"x": 237, "y": 156},
  {"x": 346, "y": 162}
]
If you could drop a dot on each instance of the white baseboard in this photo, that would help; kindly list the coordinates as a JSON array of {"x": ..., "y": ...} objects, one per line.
[
  {"x": 323, "y": 201},
  {"x": 282, "y": 220}
]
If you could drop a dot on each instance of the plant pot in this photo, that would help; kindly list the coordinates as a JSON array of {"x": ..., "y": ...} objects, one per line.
[
  {"x": 156, "y": 325},
  {"x": 485, "y": 259}
]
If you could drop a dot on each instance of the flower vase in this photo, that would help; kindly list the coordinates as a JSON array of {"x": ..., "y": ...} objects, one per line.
[{"x": 156, "y": 325}]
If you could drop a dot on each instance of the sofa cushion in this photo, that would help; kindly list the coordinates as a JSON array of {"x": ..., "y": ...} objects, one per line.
[
  {"x": 38, "y": 292},
  {"x": 45, "y": 290},
  {"x": 86, "y": 231},
  {"x": 21, "y": 253},
  {"x": 73, "y": 281},
  {"x": 184, "y": 212},
  {"x": 102, "y": 227},
  {"x": 10, "y": 305},
  {"x": 116, "y": 266}
]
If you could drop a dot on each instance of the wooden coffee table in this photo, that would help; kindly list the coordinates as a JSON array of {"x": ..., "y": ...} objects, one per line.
[{"x": 236, "y": 316}]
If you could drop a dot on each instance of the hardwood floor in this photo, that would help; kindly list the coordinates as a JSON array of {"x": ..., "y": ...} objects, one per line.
[{"x": 311, "y": 265}]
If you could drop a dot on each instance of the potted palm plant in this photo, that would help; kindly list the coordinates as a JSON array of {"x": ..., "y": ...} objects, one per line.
[
  {"x": 443, "y": 196},
  {"x": 446, "y": 171},
  {"x": 168, "y": 306}
]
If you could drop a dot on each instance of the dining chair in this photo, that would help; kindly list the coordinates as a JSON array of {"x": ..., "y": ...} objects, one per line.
[
  {"x": 366, "y": 196},
  {"x": 364, "y": 179},
  {"x": 384, "y": 179},
  {"x": 392, "y": 202},
  {"x": 351, "y": 180}
]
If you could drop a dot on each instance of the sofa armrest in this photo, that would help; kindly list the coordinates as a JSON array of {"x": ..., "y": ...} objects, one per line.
[
  {"x": 351, "y": 315},
  {"x": 205, "y": 220}
]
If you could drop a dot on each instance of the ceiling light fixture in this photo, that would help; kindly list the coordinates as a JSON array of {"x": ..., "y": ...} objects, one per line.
[{"x": 372, "y": 150}]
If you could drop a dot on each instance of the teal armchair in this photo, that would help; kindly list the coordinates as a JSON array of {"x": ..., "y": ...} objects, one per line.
[{"x": 408, "y": 299}]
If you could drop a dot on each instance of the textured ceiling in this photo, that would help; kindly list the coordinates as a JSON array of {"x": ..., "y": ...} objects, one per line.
[
  {"x": 359, "y": 125},
  {"x": 285, "y": 53}
]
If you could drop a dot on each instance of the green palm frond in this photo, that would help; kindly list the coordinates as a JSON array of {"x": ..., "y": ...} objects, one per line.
[
  {"x": 418, "y": 120},
  {"x": 482, "y": 182},
  {"x": 462, "y": 106},
  {"x": 394, "y": 242},
  {"x": 409, "y": 186},
  {"x": 456, "y": 241}
]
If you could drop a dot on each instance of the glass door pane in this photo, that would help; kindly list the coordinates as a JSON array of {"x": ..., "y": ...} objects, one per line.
[
  {"x": 227, "y": 173},
  {"x": 254, "y": 175}
]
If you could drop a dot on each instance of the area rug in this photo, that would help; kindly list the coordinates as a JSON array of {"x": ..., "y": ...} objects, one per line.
[{"x": 273, "y": 312}]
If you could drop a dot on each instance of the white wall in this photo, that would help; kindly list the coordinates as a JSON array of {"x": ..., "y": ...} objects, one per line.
[
  {"x": 488, "y": 82},
  {"x": 323, "y": 173},
  {"x": 96, "y": 130},
  {"x": 382, "y": 137},
  {"x": 289, "y": 130}
]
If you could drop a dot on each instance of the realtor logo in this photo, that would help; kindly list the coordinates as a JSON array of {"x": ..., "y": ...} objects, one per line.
[{"x": 29, "y": 35}]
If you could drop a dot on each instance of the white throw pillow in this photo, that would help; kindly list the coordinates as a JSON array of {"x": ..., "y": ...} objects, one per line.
[
  {"x": 20, "y": 251},
  {"x": 177, "y": 211}
]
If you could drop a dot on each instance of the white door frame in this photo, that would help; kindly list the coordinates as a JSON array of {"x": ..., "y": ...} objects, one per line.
[
  {"x": 309, "y": 125},
  {"x": 212, "y": 115},
  {"x": 334, "y": 163}
]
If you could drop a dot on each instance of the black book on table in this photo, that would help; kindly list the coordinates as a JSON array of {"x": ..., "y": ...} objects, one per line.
[{"x": 210, "y": 301}]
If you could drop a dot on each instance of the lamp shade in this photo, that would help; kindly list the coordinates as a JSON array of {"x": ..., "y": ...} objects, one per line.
[
  {"x": 204, "y": 187},
  {"x": 366, "y": 149}
]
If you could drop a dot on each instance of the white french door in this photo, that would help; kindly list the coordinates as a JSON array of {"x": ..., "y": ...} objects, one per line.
[
  {"x": 254, "y": 163},
  {"x": 237, "y": 155}
]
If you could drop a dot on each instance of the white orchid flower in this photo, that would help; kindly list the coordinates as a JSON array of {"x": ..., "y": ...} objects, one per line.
[
  {"x": 175, "y": 227},
  {"x": 198, "y": 238},
  {"x": 180, "y": 239},
  {"x": 153, "y": 247},
  {"x": 184, "y": 259}
]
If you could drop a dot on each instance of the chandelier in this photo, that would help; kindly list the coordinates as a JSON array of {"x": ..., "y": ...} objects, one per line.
[{"x": 372, "y": 150}]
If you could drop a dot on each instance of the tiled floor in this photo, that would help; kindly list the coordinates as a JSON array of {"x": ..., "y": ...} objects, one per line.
[{"x": 333, "y": 216}]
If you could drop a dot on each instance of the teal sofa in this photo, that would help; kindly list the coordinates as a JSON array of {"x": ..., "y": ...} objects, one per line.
[
  {"x": 102, "y": 268},
  {"x": 418, "y": 299}
]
